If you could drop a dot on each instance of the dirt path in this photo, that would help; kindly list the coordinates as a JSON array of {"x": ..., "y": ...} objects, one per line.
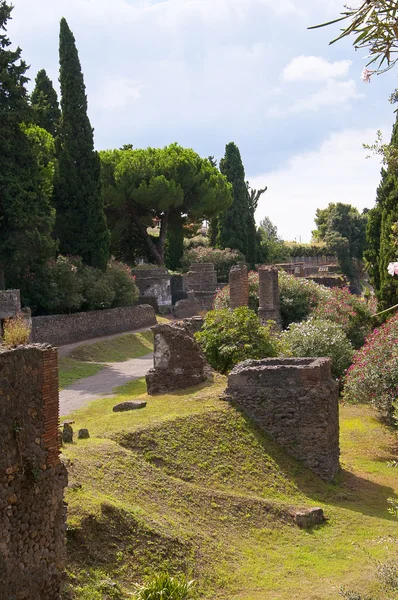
[{"x": 91, "y": 388}]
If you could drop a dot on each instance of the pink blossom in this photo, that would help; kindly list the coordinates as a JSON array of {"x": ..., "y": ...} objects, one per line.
[
  {"x": 366, "y": 75},
  {"x": 393, "y": 268}
]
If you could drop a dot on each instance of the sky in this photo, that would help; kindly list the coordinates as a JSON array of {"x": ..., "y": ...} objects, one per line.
[{"x": 207, "y": 72}]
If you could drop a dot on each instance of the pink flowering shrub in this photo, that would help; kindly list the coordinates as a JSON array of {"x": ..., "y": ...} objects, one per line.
[{"x": 373, "y": 376}]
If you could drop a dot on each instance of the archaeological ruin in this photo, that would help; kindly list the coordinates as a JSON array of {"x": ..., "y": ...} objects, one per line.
[
  {"x": 179, "y": 362},
  {"x": 239, "y": 286},
  {"x": 32, "y": 478},
  {"x": 202, "y": 280},
  {"x": 268, "y": 292},
  {"x": 295, "y": 402}
]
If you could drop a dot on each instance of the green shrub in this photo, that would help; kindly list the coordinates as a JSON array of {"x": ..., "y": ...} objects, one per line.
[
  {"x": 122, "y": 281},
  {"x": 373, "y": 375},
  {"x": 231, "y": 336},
  {"x": 16, "y": 332},
  {"x": 96, "y": 288},
  {"x": 196, "y": 242},
  {"x": 165, "y": 587},
  {"x": 319, "y": 338},
  {"x": 61, "y": 287},
  {"x": 222, "y": 260}
]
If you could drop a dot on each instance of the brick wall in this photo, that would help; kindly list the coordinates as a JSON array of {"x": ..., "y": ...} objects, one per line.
[
  {"x": 66, "y": 329},
  {"x": 32, "y": 478},
  {"x": 239, "y": 286}
]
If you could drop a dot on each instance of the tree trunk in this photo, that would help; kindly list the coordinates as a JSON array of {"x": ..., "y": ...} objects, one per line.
[{"x": 156, "y": 251}]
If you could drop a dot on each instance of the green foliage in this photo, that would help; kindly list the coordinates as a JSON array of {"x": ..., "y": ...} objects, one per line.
[
  {"x": 44, "y": 102},
  {"x": 313, "y": 249},
  {"x": 231, "y": 336},
  {"x": 27, "y": 217},
  {"x": 222, "y": 260},
  {"x": 166, "y": 184},
  {"x": 175, "y": 244},
  {"x": 234, "y": 223},
  {"x": 272, "y": 247},
  {"x": 317, "y": 337},
  {"x": 196, "y": 242},
  {"x": 165, "y": 587},
  {"x": 373, "y": 375},
  {"x": 81, "y": 225},
  {"x": 343, "y": 229}
]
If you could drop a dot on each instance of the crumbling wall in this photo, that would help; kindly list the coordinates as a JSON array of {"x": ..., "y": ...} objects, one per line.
[
  {"x": 295, "y": 401},
  {"x": 268, "y": 293},
  {"x": 189, "y": 307},
  {"x": 10, "y": 303},
  {"x": 178, "y": 361},
  {"x": 154, "y": 282},
  {"x": 202, "y": 280},
  {"x": 239, "y": 286},
  {"x": 32, "y": 478}
]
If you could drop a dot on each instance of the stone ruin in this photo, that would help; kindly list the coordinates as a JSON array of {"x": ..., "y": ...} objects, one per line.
[
  {"x": 154, "y": 283},
  {"x": 202, "y": 280},
  {"x": 10, "y": 303},
  {"x": 32, "y": 478},
  {"x": 268, "y": 292},
  {"x": 189, "y": 307},
  {"x": 295, "y": 402},
  {"x": 239, "y": 286},
  {"x": 179, "y": 362}
]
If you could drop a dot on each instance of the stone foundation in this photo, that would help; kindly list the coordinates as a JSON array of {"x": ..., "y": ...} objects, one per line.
[
  {"x": 239, "y": 286},
  {"x": 268, "y": 292},
  {"x": 32, "y": 478},
  {"x": 295, "y": 401},
  {"x": 179, "y": 363}
]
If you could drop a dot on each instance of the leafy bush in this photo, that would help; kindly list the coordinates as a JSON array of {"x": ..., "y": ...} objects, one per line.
[
  {"x": 96, "y": 288},
  {"x": 196, "y": 242},
  {"x": 165, "y": 587},
  {"x": 60, "y": 286},
  {"x": 16, "y": 332},
  {"x": 122, "y": 281},
  {"x": 231, "y": 336},
  {"x": 347, "y": 310},
  {"x": 373, "y": 375},
  {"x": 314, "y": 249},
  {"x": 319, "y": 338},
  {"x": 222, "y": 260}
]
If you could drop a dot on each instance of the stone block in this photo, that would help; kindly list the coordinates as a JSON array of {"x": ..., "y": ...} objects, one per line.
[
  {"x": 129, "y": 405},
  {"x": 10, "y": 303},
  {"x": 83, "y": 434},
  {"x": 154, "y": 282},
  {"x": 309, "y": 517},
  {"x": 189, "y": 307}
]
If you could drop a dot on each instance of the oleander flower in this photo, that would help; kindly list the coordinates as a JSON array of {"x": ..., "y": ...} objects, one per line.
[
  {"x": 366, "y": 75},
  {"x": 393, "y": 268}
]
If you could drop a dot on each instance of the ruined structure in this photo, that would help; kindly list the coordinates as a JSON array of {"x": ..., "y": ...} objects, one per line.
[
  {"x": 10, "y": 303},
  {"x": 178, "y": 360},
  {"x": 202, "y": 280},
  {"x": 32, "y": 478},
  {"x": 189, "y": 307},
  {"x": 295, "y": 401},
  {"x": 239, "y": 286},
  {"x": 268, "y": 292},
  {"x": 155, "y": 283}
]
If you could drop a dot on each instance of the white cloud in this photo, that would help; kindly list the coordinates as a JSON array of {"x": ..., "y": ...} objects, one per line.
[
  {"x": 314, "y": 68},
  {"x": 337, "y": 172},
  {"x": 117, "y": 92}
]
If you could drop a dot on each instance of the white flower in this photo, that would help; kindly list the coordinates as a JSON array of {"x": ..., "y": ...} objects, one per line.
[
  {"x": 393, "y": 268},
  {"x": 366, "y": 75}
]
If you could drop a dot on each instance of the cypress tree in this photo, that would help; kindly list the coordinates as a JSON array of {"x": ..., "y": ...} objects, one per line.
[
  {"x": 44, "y": 102},
  {"x": 234, "y": 224},
  {"x": 81, "y": 225},
  {"x": 381, "y": 249},
  {"x": 26, "y": 215}
]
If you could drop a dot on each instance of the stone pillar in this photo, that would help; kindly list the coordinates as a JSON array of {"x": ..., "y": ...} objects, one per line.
[
  {"x": 202, "y": 280},
  {"x": 269, "y": 309},
  {"x": 32, "y": 477},
  {"x": 239, "y": 286}
]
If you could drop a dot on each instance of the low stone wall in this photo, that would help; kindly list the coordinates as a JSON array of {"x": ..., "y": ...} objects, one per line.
[
  {"x": 295, "y": 401},
  {"x": 67, "y": 329},
  {"x": 32, "y": 478}
]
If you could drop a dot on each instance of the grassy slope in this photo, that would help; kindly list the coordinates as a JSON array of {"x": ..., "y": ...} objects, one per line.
[{"x": 189, "y": 484}]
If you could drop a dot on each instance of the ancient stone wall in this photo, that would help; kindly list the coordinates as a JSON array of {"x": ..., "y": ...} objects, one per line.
[
  {"x": 154, "y": 282},
  {"x": 32, "y": 478},
  {"x": 202, "y": 280},
  {"x": 268, "y": 292},
  {"x": 10, "y": 303},
  {"x": 178, "y": 291},
  {"x": 189, "y": 307},
  {"x": 178, "y": 360},
  {"x": 66, "y": 329},
  {"x": 295, "y": 401},
  {"x": 239, "y": 286},
  {"x": 314, "y": 260}
]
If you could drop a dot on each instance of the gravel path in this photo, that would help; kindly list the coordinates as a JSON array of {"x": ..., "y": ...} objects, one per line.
[{"x": 101, "y": 384}]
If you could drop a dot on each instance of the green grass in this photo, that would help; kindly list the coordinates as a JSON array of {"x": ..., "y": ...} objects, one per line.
[
  {"x": 116, "y": 349},
  {"x": 188, "y": 484},
  {"x": 71, "y": 370}
]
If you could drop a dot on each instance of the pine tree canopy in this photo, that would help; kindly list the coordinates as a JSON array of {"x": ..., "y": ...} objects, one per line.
[
  {"x": 81, "y": 225},
  {"x": 26, "y": 171},
  {"x": 44, "y": 102}
]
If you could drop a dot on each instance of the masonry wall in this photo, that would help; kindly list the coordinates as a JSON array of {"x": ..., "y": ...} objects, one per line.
[
  {"x": 295, "y": 401},
  {"x": 32, "y": 478},
  {"x": 66, "y": 329}
]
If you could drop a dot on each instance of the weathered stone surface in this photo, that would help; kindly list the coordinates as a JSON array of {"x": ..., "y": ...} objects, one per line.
[
  {"x": 67, "y": 434},
  {"x": 83, "y": 434},
  {"x": 194, "y": 324},
  {"x": 239, "y": 286},
  {"x": 189, "y": 307},
  {"x": 295, "y": 401},
  {"x": 32, "y": 478},
  {"x": 67, "y": 329},
  {"x": 179, "y": 362},
  {"x": 202, "y": 280},
  {"x": 154, "y": 282},
  {"x": 309, "y": 517},
  {"x": 10, "y": 303},
  {"x": 129, "y": 405},
  {"x": 268, "y": 292}
]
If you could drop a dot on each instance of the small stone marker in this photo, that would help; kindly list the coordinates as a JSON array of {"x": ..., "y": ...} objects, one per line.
[
  {"x": 83, "y": 434},
  {"x": 67, "y": 434},
  {"x": 309, "y": 517},
  {"x": 123, "y": 406}
]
